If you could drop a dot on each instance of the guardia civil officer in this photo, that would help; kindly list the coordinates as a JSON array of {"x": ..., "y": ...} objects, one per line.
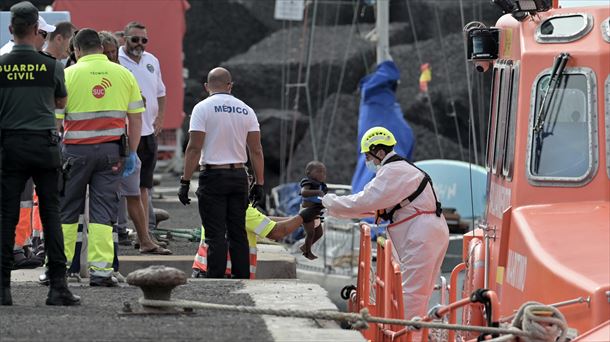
[
  {"x": 31, "y": 87},
  {"x": 223, "y": 126}
]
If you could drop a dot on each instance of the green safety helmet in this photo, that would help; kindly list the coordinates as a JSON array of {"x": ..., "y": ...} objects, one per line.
[{"x": 376, "y": 136}]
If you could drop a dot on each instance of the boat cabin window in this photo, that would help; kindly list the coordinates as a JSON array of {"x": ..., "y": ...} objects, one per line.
[
  {"x": 495, "y": 118},
  {"x": 501, "y": 128},
  {"x": 562, "y": 148},
  {"x": 511, "y": 120},
  {"x": 606, "y": 29},
  {"x": 564, "y": 28},
  {"x": 491, "y": 126}
]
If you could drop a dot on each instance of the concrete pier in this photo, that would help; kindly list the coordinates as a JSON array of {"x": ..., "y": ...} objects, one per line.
[{"x": 99, "y": 318}]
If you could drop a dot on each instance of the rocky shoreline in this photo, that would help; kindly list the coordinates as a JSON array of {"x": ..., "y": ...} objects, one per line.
[{"x": 265, "y": 54}]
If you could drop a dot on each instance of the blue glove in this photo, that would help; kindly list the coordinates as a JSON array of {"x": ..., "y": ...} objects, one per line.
[{"x": 130, "y": 164}]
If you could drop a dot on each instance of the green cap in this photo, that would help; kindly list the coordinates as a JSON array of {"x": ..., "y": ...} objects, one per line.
[{"x": 24, "y": 13}]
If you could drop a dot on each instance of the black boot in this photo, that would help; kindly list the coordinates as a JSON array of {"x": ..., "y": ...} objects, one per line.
[
  {"x": 59, "y": 294},
  {"x": 5, "y": 296}
]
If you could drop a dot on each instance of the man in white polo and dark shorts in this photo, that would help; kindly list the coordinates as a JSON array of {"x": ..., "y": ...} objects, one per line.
[
  {"x": 145, "y": 67},
  {"x": 221, "y": 127}
]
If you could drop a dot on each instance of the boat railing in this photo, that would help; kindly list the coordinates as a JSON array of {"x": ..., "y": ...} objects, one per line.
[
  {"x": 338, "y": 250},
  {"x": 385, "y": 283}
]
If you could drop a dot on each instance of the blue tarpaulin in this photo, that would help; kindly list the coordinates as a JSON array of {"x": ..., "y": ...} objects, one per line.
[{"x": 378, "y": 107}]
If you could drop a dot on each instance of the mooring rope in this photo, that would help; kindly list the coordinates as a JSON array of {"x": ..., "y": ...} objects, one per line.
[
  {"x": 542, "y": 328},
  {"x": 357, "y": 320}
]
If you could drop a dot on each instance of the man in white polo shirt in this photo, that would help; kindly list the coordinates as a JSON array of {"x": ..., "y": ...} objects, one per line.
[
  {"x": 222, "y": 125},
  {"x": 43, "y": 30},
  {"x": 145, "y": 67}
]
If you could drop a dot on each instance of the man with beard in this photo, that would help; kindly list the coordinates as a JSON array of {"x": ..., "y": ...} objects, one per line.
[{"x": 145, "y": 67}]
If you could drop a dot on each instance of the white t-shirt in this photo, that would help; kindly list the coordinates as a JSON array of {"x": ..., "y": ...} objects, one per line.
[
  {"x": 226, "y": 121},
  {"x": 148, "y": 75},
  {"x": 6, "y": 48}
]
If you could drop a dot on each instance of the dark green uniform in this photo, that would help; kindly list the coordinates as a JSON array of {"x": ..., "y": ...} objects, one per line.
[{"x": 29, "y": 84}]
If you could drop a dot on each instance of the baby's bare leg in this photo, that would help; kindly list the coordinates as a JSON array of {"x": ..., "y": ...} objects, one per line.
[
  {"x": 318, "y": 232},
  {"x": 309, "y": 239}
]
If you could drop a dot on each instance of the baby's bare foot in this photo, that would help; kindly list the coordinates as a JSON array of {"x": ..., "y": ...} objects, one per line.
[{"x": 309, "y": 255}]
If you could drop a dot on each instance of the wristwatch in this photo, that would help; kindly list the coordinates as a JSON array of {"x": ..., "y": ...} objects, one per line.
[{"x": 185, "y": 181}]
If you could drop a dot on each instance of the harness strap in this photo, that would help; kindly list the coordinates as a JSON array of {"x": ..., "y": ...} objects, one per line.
[
  {"x": 388, "y": 215},
  {"x": 428, "y": 212}
]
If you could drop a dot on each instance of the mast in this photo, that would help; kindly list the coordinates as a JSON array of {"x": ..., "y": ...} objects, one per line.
[{"x": 381, "y": 26}]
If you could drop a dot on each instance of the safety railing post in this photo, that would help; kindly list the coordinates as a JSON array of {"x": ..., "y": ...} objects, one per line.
[
  {"x": 380, "y": 298},
  {"x": 363, "y": 286},
  {"x": 453, "y": 297}
]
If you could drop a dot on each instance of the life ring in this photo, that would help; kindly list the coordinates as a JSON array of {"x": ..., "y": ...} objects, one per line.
[{"x": 474, "y": 279}]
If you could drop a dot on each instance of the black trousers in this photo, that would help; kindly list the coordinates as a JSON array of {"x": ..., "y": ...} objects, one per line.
[
  {"x": 223, "y": 199},
  {"x": 34, "y": 154}
]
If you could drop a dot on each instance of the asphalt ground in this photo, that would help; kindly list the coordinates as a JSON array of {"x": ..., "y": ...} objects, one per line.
[{"x": 98, "y": 318}]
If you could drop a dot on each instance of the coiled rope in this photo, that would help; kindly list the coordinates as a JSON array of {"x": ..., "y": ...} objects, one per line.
[
  {"x": 360, "y": 320},
  {"x": 543, "y": 323}
]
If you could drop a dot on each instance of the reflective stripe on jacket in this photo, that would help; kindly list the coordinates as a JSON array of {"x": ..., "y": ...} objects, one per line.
[{"x": 101, "y": 94}]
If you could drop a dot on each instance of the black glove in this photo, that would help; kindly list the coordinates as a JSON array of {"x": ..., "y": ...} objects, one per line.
[
  {"x": 257, "y": 195},
  {"x": 183, "y": 192},
  {"x": 311, "y": 213}
]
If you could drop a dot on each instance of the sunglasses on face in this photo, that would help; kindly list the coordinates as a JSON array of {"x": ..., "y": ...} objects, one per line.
[
  {"x": 138, "y": 39},
  {"x": 43, "y": 34}
]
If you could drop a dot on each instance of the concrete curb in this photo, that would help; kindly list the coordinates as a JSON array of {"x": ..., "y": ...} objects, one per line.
[
  {"x": 273, "y": 262},
  {"x": 296, "y": 294}
]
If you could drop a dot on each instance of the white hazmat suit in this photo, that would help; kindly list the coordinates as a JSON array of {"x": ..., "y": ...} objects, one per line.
[{"x": 420, "y": 242}]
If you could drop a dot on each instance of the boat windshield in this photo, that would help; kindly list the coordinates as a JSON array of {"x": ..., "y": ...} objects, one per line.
[{"x": 561, "y": 147}]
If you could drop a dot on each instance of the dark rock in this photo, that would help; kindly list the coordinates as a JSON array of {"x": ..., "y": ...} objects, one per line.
[
  {"x": 423, "y": 13},
  {"x": 340, "y": 145},
  {"x": 426, "y": 145},
  {"x": 276, "y": 133},
  {"x": 260, "y": 73},
  {"x": 193, "y": 93},
  {"x": 216, "y": 31},
  {"x": 448, "y": 86},
  {"x": 338, "y": 12}
]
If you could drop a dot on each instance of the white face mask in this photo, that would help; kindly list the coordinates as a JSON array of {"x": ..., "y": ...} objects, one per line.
[{"x": 370, "y": 164}]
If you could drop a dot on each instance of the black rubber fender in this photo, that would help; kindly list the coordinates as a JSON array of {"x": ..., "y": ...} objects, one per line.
[{"x": 346, "y": 291}]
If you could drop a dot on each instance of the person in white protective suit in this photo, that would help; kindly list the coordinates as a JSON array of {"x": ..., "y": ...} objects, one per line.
[{"x": 402, "y": 194}]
